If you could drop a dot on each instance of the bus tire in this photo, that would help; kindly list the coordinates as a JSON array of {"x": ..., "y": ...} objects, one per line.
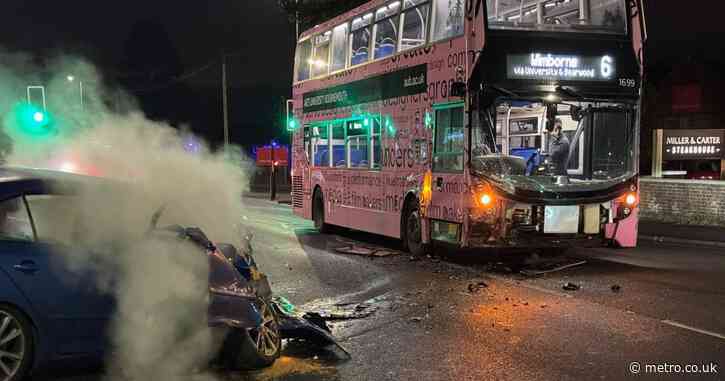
[
  {"x": 318, "y": 213},
  {"x": 412, "y": 235}
]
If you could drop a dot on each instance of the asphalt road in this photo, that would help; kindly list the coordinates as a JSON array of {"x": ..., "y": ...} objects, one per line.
[{"x": 665, "y": 309}]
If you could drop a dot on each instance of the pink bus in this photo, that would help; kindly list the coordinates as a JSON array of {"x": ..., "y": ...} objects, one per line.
[{"x": 476, "y": 123}]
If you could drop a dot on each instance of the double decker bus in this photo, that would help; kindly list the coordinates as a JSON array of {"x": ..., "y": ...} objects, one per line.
[{"x": 497, "y": 123}]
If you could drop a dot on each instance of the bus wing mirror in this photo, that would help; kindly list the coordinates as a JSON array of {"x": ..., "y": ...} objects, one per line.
[
  {"x": 576, "y": 113},
  {"x": 458, "y": 89}
]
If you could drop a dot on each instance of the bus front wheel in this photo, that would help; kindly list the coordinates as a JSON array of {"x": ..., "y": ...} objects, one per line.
[
  {"x": 413, "y": 238},
  {"x": 318, "y": 213}
]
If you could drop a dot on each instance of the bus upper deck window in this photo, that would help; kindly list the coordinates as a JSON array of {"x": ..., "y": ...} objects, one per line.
[
  {"x": 339, "y": 48},
  {"x": 386, "y": 30},
  {"x": 320, "y": 62},
  {"x": 304, "y": 51},
  {"x": 584, "y": 16},
  {"x": 448, "y": 19},
  {"x": 360, "y": 39},
  {"x": 415, "y": 21}
]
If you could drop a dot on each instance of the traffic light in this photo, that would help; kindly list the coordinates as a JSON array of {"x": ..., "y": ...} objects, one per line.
[
  {"x": 33, "y": 120},
  {"x": 291, "y": 121}
]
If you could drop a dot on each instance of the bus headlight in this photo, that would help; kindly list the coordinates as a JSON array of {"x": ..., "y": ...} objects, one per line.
[{"x": 485, "y": 200}]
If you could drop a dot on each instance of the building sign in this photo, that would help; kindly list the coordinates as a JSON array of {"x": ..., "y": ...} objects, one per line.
[
  {"x": 693, "y": 144},
  {"x": 408, "y": 81},
  {"x": 269, "y": 155},
  {"x": 561, "y": 67}
]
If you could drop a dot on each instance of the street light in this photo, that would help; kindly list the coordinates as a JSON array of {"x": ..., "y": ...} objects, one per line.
[{"x": 71, "y": 78}]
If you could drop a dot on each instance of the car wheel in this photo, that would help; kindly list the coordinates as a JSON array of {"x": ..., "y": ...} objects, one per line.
[
  {"x": 256, "y": 348},
  {"x": 16, "y": 344},
  {"x": 318, "y": 213},
  {"x": 413, "y": 231}
]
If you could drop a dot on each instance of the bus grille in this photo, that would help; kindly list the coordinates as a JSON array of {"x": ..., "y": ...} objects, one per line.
[{"x": 297, "y": 191}]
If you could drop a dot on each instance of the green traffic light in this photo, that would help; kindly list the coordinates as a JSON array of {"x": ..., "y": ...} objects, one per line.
[
  {"x": 291, "y": 125},
  {"x": 33, "y": 120}
]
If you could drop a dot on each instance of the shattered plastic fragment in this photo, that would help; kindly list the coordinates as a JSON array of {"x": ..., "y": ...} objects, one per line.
[
  {"x": 476, "y": 287},
  {"x": 570, "y": 287}
]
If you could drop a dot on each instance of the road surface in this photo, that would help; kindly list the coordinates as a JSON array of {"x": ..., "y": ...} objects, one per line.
[{"x": 645, "y": 313}]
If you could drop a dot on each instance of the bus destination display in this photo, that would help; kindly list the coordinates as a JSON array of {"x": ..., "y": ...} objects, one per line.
[{"x": 561, "y": 67}]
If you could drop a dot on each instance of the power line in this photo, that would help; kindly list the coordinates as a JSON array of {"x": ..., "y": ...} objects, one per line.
[{"x": 178, "y": 79}]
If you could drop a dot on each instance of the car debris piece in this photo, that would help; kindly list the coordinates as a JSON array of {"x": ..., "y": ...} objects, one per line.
[
  {"x": 368, "y": 251},
  {"x": 550, "y": 267},
  {"x": 307, "y": 326},
  {"x": 416, "y": 319},
  {"x": 616, "y": 288},
  {"x": 474, "y": 288},
  {"x": 570, "y": 287}
]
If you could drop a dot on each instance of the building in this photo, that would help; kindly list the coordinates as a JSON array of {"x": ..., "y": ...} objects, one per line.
[{"x": 683, "y": 145}]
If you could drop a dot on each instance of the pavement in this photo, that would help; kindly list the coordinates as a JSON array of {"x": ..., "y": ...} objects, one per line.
[
  {"x": 471, "y": 315},
  {"x": 682, "y": 234}
]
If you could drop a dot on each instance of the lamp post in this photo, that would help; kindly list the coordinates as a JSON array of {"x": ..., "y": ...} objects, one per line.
[{"x": 71, "y": 79}]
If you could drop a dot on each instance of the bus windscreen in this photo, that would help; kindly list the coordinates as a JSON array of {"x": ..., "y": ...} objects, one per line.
[{"x": 584, "y": 16}]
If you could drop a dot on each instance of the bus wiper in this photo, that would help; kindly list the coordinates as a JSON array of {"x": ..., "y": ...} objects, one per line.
[
  {"x": 505, "y": 91},
  {"x": 569, "y": 92}
]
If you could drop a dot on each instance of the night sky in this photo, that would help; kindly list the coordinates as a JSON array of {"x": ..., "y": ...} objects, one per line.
[{"x": 141, "y": 44}]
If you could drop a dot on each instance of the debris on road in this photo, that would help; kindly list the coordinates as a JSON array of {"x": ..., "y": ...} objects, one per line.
[
  {"x": 416, "y": 319},
  {"x": 551, "y": 266},
  {"x": 368, "y": 251},
  {"x": 474, "y": 288},
  {"x": 616, "y": 288},
  {"x": 571, "y": 286}
]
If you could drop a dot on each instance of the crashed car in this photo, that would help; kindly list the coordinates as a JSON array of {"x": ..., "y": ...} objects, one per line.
[{"x": 50, "y": 311}]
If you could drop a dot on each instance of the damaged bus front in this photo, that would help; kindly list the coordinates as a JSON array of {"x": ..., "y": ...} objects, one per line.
[{"x": 553, "y": 128}]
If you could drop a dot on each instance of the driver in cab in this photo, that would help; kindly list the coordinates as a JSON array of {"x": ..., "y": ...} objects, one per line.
[{"x": 558, "y": 149}]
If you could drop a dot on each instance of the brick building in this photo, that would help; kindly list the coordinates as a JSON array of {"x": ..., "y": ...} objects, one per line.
[{"x": 684, "y": 100}]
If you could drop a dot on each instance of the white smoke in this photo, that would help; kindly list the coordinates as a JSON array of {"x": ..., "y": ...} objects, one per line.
[{"x": 159, "y": 329}]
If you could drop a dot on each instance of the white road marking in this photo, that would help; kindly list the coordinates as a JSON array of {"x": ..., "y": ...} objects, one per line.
[{"x": 694, "y": 329}]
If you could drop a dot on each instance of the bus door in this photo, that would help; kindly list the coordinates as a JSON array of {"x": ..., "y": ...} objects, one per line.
[{"x": 446, "y": 208}]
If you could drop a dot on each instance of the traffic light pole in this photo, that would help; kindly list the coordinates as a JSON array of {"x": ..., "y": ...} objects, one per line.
[
  {"x": 225, "y": 105},
  {"x": 273, "y": 179}
]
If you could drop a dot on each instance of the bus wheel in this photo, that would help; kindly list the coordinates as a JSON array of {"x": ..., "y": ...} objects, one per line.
[
  {"x": 413, "y": 231},
  {"x": 318, "y": 213}
]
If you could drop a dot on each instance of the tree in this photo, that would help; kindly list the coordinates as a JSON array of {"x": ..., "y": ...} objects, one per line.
[{"x": 312, "y": 12}]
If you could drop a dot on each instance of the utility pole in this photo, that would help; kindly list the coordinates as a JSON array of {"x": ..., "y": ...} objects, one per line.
[
  {"x": 224, "y": 102},
  {"x": 297, "y": 22}
]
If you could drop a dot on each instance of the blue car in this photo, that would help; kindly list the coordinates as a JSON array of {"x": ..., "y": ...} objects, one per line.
[{"x": 50, "y": 312}]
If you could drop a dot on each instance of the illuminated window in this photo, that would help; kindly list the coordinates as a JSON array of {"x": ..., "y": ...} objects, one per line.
[
  {"x": 449, "y": 139},
  {"x": 448, "y": 19},
  {"x": 592, "y": 16},
  {"x": 320, "y": 62},
  {"x": 302, "y": 60},
  {"x": 306, "y": 139},
  {"x": 360, "y": 39},
  {"x": 357, "y": 143},
  {"x": 386, "y": 30},
  {"x": 339, "y": 156},
  {"x": 320, "y": 146},
  {"x": 414, "y": 22},
  {"x": 376, "y": 143},
  {"x": 339, "y": 48}
]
